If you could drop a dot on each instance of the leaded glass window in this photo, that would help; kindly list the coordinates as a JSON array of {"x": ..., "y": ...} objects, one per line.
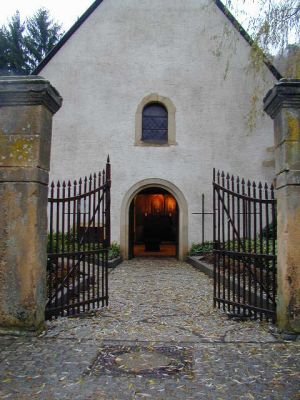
[{"x": 155, "y": 123}]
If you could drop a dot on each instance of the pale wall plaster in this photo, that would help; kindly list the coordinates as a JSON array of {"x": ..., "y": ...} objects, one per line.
[{"x": 186, "y": 51}]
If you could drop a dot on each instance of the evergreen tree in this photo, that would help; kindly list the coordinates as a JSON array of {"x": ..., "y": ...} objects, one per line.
[
  {"x": 42, "y": 33},
  {"x": 13, "y": 56},
  {"x": 3, "y": 53},
  {"x": 24, "y": 45}
]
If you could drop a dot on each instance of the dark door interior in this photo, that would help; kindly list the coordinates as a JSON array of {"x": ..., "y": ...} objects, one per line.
[{"x": 153, "y": 223}]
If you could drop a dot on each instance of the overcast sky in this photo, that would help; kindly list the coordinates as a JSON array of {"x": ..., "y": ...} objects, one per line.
[{"x": 64, "y": 11}]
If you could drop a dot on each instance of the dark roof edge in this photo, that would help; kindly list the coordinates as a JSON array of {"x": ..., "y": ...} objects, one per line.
[
  {"x": 66, "y": 37},
  {"x": 246, "y": 36},
  {"x": 96, "y": 3}
]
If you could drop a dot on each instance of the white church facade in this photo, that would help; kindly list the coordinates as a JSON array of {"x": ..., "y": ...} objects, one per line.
[{"x": 167, "y": 89}]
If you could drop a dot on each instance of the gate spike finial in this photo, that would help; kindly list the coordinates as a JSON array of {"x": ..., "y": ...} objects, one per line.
[
  {"x": 80, "y": 181},
  {"x": 227, "y": 180},
  {"x": 232, "y": 182},
  {"x": 254, "y": 189},
  {"x": 243, "y": 185},
  {"x": 108, "y": 159},
  {"x": 272, "y": 191}
]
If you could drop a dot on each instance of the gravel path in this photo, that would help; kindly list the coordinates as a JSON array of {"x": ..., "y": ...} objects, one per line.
[{"x": 159, "y": 338}]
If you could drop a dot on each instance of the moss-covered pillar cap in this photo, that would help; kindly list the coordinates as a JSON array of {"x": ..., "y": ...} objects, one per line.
[
  {"x": 284, "y": 94},
  {"x": 28, "y": 91}
]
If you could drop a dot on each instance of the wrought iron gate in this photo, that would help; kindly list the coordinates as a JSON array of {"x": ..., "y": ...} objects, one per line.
[
  {"x": 244, "y": 220},
  {"x": 78, "y": 242}
]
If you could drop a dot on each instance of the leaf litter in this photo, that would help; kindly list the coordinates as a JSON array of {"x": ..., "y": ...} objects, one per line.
[{"x": 156, "y": 304}]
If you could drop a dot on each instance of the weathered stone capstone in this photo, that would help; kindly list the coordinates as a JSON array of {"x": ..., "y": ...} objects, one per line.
[{"x": 26, "y": 108}]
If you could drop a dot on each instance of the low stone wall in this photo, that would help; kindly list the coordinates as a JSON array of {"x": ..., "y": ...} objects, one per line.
[
  {"x": 201, "y": 265},
  {"x": 115, "y": 262}
]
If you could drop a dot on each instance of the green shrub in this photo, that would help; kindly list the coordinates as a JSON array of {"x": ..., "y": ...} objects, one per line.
[
  {"x": 251, "y": 246},
  {"x": 201, "y": 248},
  {"x": 245, "y": 245},
  {"x": 114, "y": 251},
  {"x": 71, "y": 243}
]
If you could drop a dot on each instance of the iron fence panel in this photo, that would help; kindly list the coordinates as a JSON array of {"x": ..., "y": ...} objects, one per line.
[
  {"x": 245, "y": 261},
  {"x": 78, "y": 243}
]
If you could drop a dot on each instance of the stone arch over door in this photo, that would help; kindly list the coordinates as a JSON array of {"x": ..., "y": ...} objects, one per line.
[{"x": 183, "y": 214}]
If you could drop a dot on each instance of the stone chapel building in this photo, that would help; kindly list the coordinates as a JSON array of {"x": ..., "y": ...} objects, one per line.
[{"x": 167, "y": 89}]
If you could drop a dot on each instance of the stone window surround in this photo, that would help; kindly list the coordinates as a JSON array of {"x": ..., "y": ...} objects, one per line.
[{"x": 155, "y": 98}]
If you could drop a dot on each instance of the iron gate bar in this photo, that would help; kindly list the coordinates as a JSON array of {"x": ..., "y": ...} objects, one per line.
[
  {"x": 79, "y": 238},
  {"x": 246, "y": 257},
  {"x": 235, "y": 231},
  {"x": 244, "y": 252},
  {"x": 256, "y": 309},
  {"x": 80, "y": 242}
]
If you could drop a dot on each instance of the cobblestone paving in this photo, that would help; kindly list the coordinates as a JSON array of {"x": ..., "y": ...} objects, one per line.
[{"x": 160, "y": 338}]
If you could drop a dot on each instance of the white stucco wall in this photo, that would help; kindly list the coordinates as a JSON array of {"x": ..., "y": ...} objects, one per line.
[{"x": 185, "y": 50}]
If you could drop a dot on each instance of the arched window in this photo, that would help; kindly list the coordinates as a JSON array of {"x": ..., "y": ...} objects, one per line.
[{"x": 155, "y": 123}]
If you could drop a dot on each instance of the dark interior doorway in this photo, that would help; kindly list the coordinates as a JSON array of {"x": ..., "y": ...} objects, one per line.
[{"x": 153, "y": 224}]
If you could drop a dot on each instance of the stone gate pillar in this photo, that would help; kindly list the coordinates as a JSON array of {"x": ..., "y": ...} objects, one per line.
[
  {"x": 282, "y": 103},
  {"x": 26, "y": 108}
]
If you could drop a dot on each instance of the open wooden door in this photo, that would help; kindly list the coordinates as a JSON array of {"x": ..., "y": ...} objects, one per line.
[{"x": 131, "y": 231}]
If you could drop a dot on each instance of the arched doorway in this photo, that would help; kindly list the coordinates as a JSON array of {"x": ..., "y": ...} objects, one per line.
[
  {"x": 153, "y": 224},
  {"x": 127, "y": 212}
]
